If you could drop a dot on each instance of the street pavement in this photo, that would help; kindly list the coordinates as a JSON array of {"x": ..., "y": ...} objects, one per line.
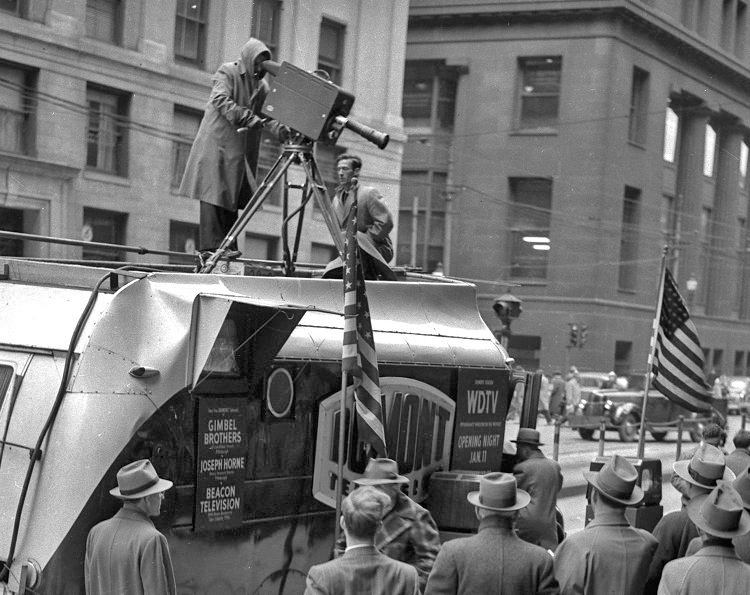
[{"x": 575, "y": 455}]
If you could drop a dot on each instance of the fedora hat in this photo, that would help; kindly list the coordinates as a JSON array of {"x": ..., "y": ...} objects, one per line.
[
  {"x": 705, "y": 469},
  {"x": 381, "y": 471},
  {"x": 720, "y": 513},
  {"x": 138, "y": 479},
  {"x": 528, "y": 436},
  {"x": 499, "y": 492},
  {"x": 617, "y": 481},
  {"x": 742, "y": 485}
]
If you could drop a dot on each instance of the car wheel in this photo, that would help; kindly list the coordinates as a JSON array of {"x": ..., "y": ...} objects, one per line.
[
  {"x": 659, "y": 436},
  {"x": 628, "y": 429},
  {"x": 586, "y": 433}
]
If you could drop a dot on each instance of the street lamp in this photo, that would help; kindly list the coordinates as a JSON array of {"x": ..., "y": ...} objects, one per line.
[
  {"x": 691, "y": 285},
  {"x": 507, "y": 307}
]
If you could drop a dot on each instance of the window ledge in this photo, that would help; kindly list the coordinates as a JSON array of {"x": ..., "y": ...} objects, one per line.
[
  {"x": 525, "y": 282},
  {"x": 637, "y": 145},
  {"x": 626, "y": 291},
  {"x": 534, "y": 132},
  {"x": 101, "y": 176}
]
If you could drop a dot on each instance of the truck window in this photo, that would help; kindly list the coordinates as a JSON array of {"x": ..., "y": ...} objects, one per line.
[{"x": 6, "y": 375}]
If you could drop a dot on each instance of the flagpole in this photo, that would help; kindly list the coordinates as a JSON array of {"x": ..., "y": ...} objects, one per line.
[
  {"x": 652, "y": 352},
  {"x": 340, "y": 472}
]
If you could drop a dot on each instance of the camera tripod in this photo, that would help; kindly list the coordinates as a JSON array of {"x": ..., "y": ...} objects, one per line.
[{"x": 299, "y": 153}]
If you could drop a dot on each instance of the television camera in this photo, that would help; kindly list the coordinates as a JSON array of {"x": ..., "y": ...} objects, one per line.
[{"x": 315, "y": 110}]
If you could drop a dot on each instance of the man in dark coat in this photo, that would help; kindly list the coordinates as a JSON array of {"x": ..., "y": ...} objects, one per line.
[
  {"x": 557, "y": 395},
  {"x": 739, "y": 459},
  {"x": 608, "y": 556},
  {"x": 127, "y": 554},
  {"x": 215, "y": 173},
  {"x": 408, "y": 532},
  {"x": 362, "y": 569},
  {"x": 542, "y": 479},
  {"x": 675, "y": 530},
  {"x": 495, "y": 560},
  {"x": 715, "y": 568}
]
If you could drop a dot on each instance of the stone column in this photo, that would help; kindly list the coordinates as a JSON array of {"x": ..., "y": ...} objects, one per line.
[
  {"x": 724, "y": 267},
  {"x": 693, "y": 120}
]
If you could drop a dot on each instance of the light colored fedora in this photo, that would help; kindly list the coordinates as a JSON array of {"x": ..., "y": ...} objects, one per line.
[
  {"x": 138, "y": 479},
  {"x": 720, "y": 513},
  {"x": 499, "y": 492},
  {"x": 742, "y": 485},
  {"x": 616, "y": 480},
  {"x": 705, "y": 469},
  {"x": 528, "y": 436},
  {"x": 381, "y": 471}
]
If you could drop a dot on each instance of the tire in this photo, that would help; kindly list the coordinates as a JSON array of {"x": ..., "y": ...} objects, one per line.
[
  {"x": 628, "y": 429},
  {"x": 586, "y": 433},
  {"x": 659, "y": 436}
]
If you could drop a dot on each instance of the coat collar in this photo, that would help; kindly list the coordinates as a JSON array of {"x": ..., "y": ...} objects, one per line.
[{"x": 609, "y": 518}]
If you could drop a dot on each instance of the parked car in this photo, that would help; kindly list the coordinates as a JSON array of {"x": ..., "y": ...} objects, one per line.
[
  {"x": 622, "y": 411},
  {"x": 737, "y": 395}
]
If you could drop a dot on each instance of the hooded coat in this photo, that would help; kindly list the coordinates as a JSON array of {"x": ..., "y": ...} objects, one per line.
[{"x": 215, "y": 171}]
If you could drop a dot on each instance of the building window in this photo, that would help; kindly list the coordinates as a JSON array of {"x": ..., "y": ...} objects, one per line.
[
  {"x": 186, "y": 123},
  {"x": 429, "y": 99},
  {"x": 539, "y": 92},
  {"x": 709, "y": 154},
  {"x": 270, "y": 149},
  {"x": 623, "y": 357},
  {"x": 107, "y": 131},
  {"x": 638, "y": 121},
  {"x": 629, "y": 238},
  {"x": 265, "y": 25},
  {"x": 104, "y": 20},
  {"x": 667, "y": 217},
  {"x": 11, "y": 220},
  {"x": 671, "y": 127},
  {"x": 190, "y": 31},
  {"x": 14, "y": 7},
  {"x": 421, "y": 237},
  {"x": 530, "y": 227},
  {"x": 326, "y": 156},
  {"x": 743, "y": 164},
  {"x": 261, "y": 247},
  {"x": 331, "y": 50},
  {"x": 103, "y": 226},
  {"x": 322, "y": 253},
  {"x": 740, "y": 29},
  {"x": 727, "y": 23},
  {"x": 183, "y": 237},
  {"x": 17, "y": 101},
  {"x": 704, "y": 241}
]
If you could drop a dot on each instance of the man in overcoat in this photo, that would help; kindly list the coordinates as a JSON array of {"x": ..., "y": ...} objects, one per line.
[
  {"x": 229, "y": 134},
  {"x": 408, "y": 532},
  {"x": 715, "y": 568},
  {"x": 495, "y": 560},
  {"x": 675, "y": 530},
  {"x": 127, "y": 554},
  {"x": 608, "y": 556},
  {"x": 739, "y": 459},
  {"x": 542, "y": 479},
  {"x": 362, "y": 569}
]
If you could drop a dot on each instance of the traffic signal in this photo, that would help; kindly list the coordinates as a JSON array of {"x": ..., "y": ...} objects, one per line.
[
  {"x": 573, "y": 342},
  {"x": 583, "y": 332}
]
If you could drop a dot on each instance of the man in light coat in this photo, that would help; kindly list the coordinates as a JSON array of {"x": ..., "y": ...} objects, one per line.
[
  {"x": 495, "y": 560},
  {"x": 608, "y": 556},
  {"x": 542, "y": 479},
  {"x": 362, "y": 569},
  {"x": 127, "y": 554},
  {"x": 229, "y": 135},
  {"x": 715, "y": 568}
]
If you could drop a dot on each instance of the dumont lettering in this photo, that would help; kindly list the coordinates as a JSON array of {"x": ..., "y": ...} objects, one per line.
[{"x": 482, "y": 401}]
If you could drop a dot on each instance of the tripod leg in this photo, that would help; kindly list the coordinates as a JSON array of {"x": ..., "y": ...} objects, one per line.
[
  {"x": 278, "y": 169},
  {"x": 324, "y": 202}
]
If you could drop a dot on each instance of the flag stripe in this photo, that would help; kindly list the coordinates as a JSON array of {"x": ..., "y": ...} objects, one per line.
[
  {"x": 358, "y": 356},
  {"x": 678, "y": 365}
]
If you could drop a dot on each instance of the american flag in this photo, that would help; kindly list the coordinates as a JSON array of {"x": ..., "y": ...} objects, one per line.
[
  {"x": 678, "y": 366},
  {"x": 358, "y": 357}
]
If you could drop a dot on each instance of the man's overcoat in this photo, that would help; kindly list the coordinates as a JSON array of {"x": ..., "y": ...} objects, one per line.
[
  {"x": 127, "y": 554},
  {"x": 363, "y": 571},
  {"x": 713, "y": 569},
  {"x": 215, "y": 170},
  {"x": 492, "y": 562},
  {"x": 542, "y": 479},
  {"x": 607, "y": 557}
]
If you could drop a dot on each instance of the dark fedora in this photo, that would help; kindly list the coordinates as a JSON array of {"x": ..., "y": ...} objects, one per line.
[
  {"x": 616, "y": 480},
  {"x": 528, "y": 436},
  {"x": 137, "y": 480},
  {"x": 381, "y": 471},
  {"x": 705, "y": 469},
  {"x": 742, "y": 485},
  {"x": 720, "y": 513},
  {"x": 499, "y": 492}
]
